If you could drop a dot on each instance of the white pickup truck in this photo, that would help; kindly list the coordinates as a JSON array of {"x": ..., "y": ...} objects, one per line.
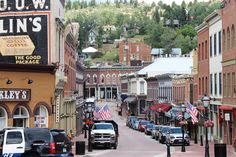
[{"x": 104, "y": 133}]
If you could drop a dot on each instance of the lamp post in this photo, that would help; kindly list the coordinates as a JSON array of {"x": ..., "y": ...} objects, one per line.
[
  {"x": 206, "y": 102},
  {"x": 183, "y": 108},
  {"x": 88, "y": 111}
]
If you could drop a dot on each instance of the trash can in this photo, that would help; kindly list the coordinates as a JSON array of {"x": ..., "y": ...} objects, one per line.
[
  {"x": 80, "y": 148},
  {"x": 220, "y": 150}
]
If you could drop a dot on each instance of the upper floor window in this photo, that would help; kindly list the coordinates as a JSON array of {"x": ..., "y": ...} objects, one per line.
[
  {"x": 224, "y": 40},
  {"x": 210, "y": 46},
  {"x": 88, "y": 78},
  {"x": 233, "y": 37},
  {"x": 102, "y": 78},
  {"x": 108, "y": 79},
  {"x": 114, "y": 78},
  {"x": 228, "y": 38},
  {"x": 95, "y": 79},
  {"x": 215, "y": 81},
  {"x": 142, "y": 87},
  {"x": 219, "y": 41},
  {"x": 211, "y": 82},
  {"x": 214, "y": 44},
  {"x": 220, "y": 83}
]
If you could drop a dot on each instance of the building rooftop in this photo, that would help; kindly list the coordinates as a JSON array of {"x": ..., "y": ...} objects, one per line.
[{"x": 171, "y": 65}]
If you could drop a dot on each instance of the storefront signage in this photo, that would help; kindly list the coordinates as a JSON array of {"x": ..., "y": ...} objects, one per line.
[
  {"x": 15, "y": 94},
  {"x": 24, "y": 31},
  {"x": 227, "y": 116}
]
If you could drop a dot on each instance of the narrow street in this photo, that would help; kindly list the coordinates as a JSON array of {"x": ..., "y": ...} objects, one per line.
[{"x": 136, "y": 144}]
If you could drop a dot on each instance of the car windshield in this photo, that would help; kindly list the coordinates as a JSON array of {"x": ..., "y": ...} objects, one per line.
[
  {"x": 165, "y": 129},
  {"x": 176, "y": 130},
  {"x": 149, "y": 125},
  {"x": 143, "y": 122},
  {"x": 102, "y": 126}
]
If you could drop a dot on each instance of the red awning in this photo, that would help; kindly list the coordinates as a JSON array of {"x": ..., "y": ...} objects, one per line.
[
  {"x": 225, "y": 108},
  {"x": 161, "y": 107}
]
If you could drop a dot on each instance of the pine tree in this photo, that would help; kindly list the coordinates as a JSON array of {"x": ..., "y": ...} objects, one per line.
[
  {"x": 68, "y": 5},
  {"x": 157, "y": 15}
]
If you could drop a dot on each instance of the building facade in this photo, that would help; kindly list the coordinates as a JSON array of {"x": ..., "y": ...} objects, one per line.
[
  {"x": 129, "y": 51},
  {"x": 228, "y": 71},
  {"x": 30, "y": 74}
]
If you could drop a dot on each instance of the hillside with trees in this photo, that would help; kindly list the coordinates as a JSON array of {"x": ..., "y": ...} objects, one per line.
[{"x": 161, "y": 25}]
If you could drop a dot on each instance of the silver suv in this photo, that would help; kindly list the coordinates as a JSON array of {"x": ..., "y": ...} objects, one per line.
[{"x": 175, "y": 136}]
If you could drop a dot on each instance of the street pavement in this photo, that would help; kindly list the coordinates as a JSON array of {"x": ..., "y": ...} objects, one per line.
[{"x": 136, "y": 144}]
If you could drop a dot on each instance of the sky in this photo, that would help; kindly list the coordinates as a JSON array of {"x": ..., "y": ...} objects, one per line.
[{"x": 150, "y": 1}]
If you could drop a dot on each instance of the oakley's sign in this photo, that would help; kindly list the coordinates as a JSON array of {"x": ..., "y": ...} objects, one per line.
[{"x": 15, "y": 94}]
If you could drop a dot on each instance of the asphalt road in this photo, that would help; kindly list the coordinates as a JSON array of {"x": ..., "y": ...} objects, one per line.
[{"x": 131, "y": 143}]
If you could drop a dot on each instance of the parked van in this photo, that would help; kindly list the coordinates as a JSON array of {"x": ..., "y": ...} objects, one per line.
[{"x": 26, "y": 142}]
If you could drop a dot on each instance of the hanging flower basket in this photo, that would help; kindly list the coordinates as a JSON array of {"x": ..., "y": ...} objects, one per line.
[
  {"x": 208, "y": 123},
  {"x": 183, "y": 122}
]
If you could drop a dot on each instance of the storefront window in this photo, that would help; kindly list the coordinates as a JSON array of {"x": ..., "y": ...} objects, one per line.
[
  {"x": 41, "y": 117},
  {"x": 3, "y": 118},
  {"x": 21, "y": 117}
]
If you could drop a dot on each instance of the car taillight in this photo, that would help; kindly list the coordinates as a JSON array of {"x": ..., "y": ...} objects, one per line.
[{"x": 52, "y": 148}]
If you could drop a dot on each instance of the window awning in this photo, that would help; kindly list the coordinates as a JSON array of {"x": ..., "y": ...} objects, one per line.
[
  {"x": 226, "y": 108},
  {"x": 161, "y": 107},
  {"x": 130, "y": 99}
]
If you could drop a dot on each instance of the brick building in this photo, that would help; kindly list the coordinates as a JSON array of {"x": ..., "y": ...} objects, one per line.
[
  {"x": 104, "y": 82},
  {"x": 129, "y": 51},
  {"x": 229, "y": 69}
]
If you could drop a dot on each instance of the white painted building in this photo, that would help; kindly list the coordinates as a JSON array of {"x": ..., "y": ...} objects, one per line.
[
  {"x": 215, "y": 70},
  {"x": 57, "y": 56}
]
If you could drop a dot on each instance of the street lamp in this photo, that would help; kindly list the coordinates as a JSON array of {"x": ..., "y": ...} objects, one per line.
[
  {"x": 183, "y": 108},
  {"x": 88, "y": 111},
  {"x": 206, "y": 102}
]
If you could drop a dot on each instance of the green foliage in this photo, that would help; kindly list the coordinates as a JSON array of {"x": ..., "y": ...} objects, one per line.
[
  {"x": 97, "y": 55},
  {"x": 91, "y": 15},
  {"x": 110, "y": 56}
]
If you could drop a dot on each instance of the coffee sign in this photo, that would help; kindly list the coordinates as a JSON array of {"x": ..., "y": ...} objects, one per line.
[
  {"x": 15, "y": 94},
  {"x": 25, "y": 31}
]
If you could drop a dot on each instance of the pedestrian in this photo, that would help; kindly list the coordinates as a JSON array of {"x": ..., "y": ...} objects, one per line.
[{"x": 70, "y": 135}]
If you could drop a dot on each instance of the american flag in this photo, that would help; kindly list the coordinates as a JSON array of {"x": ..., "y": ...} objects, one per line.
[
  {"x": 192, "y": 111},
  {"x": 105, "y": 113},
  {"x": 96, "y": 113},
  {"x": 179, "y": 115}
]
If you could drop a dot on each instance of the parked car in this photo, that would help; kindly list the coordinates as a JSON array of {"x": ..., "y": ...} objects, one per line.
[
  {"x": 62, "y": 143},
  {"x": 130, "y": 121},
  {"x": 155, "y": 131},
  {"x": 136, "y": 123},
  {"x": 163, "y": 133},
  {"x": 148, "y": 129},
  {"x": 27, "y": 142},
  {"x": 142, "y": 124},
  {"x": 175, "y": 136}
]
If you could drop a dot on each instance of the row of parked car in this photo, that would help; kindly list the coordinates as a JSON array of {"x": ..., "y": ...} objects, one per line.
[
  {"x": 161, "y": 133},
  {"x": 34, "y": 142}
]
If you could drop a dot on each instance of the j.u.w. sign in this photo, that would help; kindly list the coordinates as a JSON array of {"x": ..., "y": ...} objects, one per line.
[{"x": 15, "y": 94}]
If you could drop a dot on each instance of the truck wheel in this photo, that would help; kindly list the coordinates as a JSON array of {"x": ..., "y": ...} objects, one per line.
[{"x": 115, "y": 146}]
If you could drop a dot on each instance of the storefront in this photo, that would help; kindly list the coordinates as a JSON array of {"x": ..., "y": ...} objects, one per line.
[{"x": 26, "y": 96}]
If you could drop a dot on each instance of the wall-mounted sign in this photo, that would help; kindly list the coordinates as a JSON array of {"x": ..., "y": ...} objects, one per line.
[
  {"x": 24, "y": 31},
  {"x": 12, "y": 94}
]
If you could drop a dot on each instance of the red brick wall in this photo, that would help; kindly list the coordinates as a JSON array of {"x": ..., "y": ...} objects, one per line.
[
  {"x": 140, "y": 50},
  {"x": 203, "y": 62},
  {"x": 69, "y": 68}
]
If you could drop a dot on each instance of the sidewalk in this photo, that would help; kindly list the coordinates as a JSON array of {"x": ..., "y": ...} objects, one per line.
[{"x": 195, "y": 150}]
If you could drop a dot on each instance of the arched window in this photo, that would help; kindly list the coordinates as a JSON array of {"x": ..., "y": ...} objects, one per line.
[
  {"x": 228, "y": 38},
  {"x": 108, "y": 79},
  {"x": 102, "y": 78},
  {"x": 41, "y": 117},
  {"x": 224, "y": 40},
  {"x": 233, "y": 36},
  {"x": 88, "y": 78},
  {"x": 21, "y": 117},
  {"x": 113, "y": 78},
  {"x": 3, "y": 118},
  {"x": 95, "y": 79}
]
